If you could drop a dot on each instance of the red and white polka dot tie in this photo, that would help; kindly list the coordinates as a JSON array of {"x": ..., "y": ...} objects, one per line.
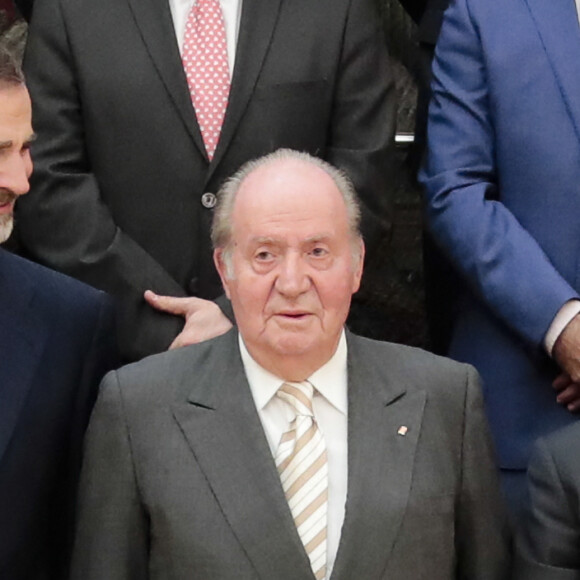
[{"x": 205, "y": 60}]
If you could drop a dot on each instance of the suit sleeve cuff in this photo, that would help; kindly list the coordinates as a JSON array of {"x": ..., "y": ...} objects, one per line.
[{"x": 561, "y": 320}]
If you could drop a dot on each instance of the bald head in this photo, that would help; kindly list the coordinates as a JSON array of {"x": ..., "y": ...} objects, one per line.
[{"x": 276, "y": 162}]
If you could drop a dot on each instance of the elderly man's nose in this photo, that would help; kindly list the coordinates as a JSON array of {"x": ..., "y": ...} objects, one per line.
[{"x": 293, "y": 278}]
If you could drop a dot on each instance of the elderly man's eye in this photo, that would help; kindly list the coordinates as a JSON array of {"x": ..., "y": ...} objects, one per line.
[
  {"x": 319, "y": 252},
  {"x": 264, "y": 255}
]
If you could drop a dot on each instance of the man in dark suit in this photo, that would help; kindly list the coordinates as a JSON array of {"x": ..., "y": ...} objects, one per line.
[
  {"x": 440, "y": 279},
  {"x": 428, "y": 15},
  {"x": 24, "y": 7},
  {"x": 549, "y": 538},
  {"x": 292, "y": 450},
  {"x": 56, "y": 342},
  {"x": 124, "y": 186},
  {"x": 502, "y": 186}
]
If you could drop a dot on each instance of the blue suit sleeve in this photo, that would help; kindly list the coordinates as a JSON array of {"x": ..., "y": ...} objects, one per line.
[{"x": 501, "y": 261}]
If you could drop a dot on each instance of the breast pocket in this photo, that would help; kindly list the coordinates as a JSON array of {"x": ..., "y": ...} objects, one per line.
[{"x": 294, "y": 115}]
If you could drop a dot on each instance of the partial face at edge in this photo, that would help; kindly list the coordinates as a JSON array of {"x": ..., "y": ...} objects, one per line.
[{"x": 15, "y": 163}]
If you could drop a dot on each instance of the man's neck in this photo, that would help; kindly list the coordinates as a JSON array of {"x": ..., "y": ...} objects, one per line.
[{"x": 292, "y": 368}]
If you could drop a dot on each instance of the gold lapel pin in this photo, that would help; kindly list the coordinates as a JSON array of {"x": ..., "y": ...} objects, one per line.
[{"x": 402, "y": 430}]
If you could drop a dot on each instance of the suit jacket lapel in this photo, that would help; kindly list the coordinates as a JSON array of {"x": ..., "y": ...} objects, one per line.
[
  {"x": 557, "y": 24},
  {"x": 380, "y": 462},
  {"x": 257, "y": 25},
  {"x": 22, "y": 337},
  {"x": 224, "y": 432},
  {"x": 153, "y": 17}
]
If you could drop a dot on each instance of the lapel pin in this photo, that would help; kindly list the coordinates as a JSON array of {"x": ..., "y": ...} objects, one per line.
[{"x": 402, "y": 430}]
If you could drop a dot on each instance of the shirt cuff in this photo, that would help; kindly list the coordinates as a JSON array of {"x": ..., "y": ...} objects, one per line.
[{"x": 560, "y": 322}]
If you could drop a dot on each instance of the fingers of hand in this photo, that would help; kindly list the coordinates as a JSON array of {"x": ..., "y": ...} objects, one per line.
[
  {"x": 561, "y": 381},
  {"x": 200, "y": 328},
  {"x": 172, "y": 304},
  {"x": 570, "y": 397},
  {"x": 164, "y": 303}
]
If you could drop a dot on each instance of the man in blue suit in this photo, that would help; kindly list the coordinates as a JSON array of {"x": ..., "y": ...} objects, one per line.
[
  {"x": 55, "y": 345},
  {"x": 503, "y": 200}
]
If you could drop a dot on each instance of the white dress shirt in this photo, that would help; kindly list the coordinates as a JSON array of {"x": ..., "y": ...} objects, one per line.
[
  {"x": 330, "y": 405},
  {"x": 231, "y": 9}
]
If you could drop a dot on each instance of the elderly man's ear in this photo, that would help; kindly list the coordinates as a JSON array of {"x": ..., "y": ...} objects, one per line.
[
  {"x": 218, "y": 260},
  {"x": 358, "y": 268}
]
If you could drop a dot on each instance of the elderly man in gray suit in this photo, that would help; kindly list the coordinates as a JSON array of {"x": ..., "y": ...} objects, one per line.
[{"x": 289, "y": 449}]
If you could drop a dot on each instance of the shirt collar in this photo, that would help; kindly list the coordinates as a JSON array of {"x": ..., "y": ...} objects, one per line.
[{"x": 330, "y": 380}]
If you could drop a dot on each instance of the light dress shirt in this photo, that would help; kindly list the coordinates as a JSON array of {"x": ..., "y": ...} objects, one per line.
[
  {"x": 231, "y": 9},
  {"x": 330, "y": 405}
]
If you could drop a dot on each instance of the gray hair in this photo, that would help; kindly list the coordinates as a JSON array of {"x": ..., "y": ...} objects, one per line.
[{"x": 221, "y": 230}]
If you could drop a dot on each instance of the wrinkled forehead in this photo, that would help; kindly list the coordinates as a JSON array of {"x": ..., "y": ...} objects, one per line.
[
  {"x": 15, "y": 112},
  {"x": 288, "y": 191}
]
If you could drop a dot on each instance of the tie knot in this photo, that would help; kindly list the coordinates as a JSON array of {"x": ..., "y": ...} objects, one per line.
[{"x": 299, "y": 396}]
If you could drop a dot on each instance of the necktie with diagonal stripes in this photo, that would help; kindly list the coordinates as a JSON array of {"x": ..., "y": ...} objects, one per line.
[{"x": 302, "y": 464}]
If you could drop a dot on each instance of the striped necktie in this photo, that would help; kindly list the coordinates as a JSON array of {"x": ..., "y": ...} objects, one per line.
[{"x": 302, "y": 464}]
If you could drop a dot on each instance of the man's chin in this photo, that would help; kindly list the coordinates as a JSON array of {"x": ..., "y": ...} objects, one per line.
[
  {"x": 293, "y": 343},
  {"x": 6, "y": 227}
]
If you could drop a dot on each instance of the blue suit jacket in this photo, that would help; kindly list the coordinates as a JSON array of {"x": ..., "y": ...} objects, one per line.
[
  {"x": 56, "y": 341},
  {"x": 503, "y": 196}
]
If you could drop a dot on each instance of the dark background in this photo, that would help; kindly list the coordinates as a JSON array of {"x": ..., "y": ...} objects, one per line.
[{"x": 394, "y": 285}]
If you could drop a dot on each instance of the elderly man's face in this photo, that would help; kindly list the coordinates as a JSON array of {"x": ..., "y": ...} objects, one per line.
[
  {"x": 292, "y": 267},
  {"x": 15, "y": 164}
]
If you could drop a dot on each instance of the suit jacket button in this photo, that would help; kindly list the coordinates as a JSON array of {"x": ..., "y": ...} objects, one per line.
[{"x": 208, "y": 200}]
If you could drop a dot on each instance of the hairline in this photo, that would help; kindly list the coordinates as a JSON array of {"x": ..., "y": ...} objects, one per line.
[
  {"x": 221, "y": 231},
  {"x": 11, "y": 74}
]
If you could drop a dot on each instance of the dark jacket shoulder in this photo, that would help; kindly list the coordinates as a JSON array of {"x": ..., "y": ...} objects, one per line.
[{"x": 17, "y": 274}]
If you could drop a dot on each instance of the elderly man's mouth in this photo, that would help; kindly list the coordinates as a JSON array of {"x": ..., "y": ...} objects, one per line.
[{"x": 294, "y": 315}]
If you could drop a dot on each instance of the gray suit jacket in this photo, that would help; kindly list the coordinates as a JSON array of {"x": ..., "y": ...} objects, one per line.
[
  {"x": 179, "y": 481},
  {"x": 548, "y": 546}
]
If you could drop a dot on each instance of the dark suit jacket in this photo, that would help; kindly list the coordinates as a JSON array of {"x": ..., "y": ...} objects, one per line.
[
  {"x": 502, "y": 185},
  {"x": 25, "y": 8},
  {"x": 179, "y": 481},
  {"x": 439, "y": 277},
  {"x": 56, "y": 342},
  {"x": 548, "y": 546},
  {"x": 428, "y": 14},
  {"x": 120, "y": 167}
]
